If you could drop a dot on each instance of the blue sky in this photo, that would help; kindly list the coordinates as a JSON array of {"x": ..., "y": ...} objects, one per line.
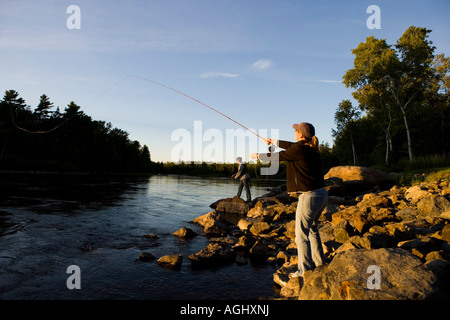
[{"x": 266, "y": 64}]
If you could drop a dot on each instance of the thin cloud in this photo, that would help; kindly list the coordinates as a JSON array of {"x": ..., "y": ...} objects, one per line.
[
  {"x": 262, "y": 64},
  {"x": 218, "y": 75},
  {"x": 330, "y": 81}
]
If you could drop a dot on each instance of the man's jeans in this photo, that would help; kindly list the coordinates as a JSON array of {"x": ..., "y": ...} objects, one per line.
[
  {"x": 245, "y": 183},
  {"x": 309, "y": 247}
]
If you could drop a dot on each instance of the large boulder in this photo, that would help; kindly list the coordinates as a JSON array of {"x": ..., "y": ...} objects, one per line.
[
  {"x": 348, "y": 277},
  {"x": 357, "y": 179},
  {"x": 233, "y": 205}
]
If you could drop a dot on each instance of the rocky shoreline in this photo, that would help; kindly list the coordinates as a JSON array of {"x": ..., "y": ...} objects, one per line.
[{"x": 381, "y": 241}]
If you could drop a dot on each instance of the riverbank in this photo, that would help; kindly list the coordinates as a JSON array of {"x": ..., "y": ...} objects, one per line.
[{"x": 381, "y": 241}]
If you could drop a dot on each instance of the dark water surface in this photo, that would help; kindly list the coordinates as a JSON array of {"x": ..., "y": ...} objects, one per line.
[{"x": 49, "y": 222}]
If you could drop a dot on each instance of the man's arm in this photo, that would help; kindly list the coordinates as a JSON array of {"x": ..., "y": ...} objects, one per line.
[{"x": 290, "y": 154}]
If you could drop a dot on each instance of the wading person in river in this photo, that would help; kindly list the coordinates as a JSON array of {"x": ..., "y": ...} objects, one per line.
[
  {"x": 244, "y": 178},
  {"x": 305, "y": 180}
]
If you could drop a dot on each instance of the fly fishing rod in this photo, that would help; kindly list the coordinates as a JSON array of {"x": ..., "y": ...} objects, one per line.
[{"x": 202, "y": 103}]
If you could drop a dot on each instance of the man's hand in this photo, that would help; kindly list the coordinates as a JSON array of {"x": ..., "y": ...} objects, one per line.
[{"x": 253, "y": 156}]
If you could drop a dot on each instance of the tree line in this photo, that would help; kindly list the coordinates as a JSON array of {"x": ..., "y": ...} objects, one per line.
[
  {"x": 46, "y": 139},
  {"x": 403, "y": 112}
]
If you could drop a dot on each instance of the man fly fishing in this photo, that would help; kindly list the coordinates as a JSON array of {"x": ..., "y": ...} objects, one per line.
[{"x": 244, "y": 178}]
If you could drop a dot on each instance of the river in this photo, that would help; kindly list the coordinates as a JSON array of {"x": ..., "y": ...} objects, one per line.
[{"x": 98, "y": 223}]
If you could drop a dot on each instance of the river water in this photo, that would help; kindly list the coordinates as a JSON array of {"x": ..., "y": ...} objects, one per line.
[{"x": 98, "y": 223}]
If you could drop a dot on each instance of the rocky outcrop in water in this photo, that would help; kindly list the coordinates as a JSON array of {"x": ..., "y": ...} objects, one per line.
[
  {"x": 403, "y": 231},
  {"x": 171, "y": 261}
]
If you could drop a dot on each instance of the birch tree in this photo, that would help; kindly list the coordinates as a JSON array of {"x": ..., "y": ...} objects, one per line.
[
  {"x": 345, "y": 115},
  {"x": 397, "y": 75}
]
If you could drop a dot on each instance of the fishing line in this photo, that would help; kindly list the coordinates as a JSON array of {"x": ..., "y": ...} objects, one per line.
[
  {"x": 148, "y": 80},
  {"x": 198, "y": 101},
  {"x": 40, "y": 131},
  {"x": 66, "y": 120}
]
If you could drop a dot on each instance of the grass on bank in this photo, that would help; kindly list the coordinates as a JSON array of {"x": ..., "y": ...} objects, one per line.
[{"x": 423, "y": 175}]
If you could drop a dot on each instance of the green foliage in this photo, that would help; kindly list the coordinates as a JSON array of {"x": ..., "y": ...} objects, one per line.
[{"x": 403, "y": 91}]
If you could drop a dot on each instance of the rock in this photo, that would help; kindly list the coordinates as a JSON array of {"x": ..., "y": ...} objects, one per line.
[
  {"x": 185, "y": 233},
  {"x": 360, "y": 177},
  {"x": 244, "y": 224},
  {"x": 292, "y": 288},
  {"x": 203, "y": 219},
  {"x": 290, "y": 229},
  {"x": 171, "y": 261},
  {"x": 361, "y": 223},
  {"x": 326, "y": 232},
  {"x": 445, "y": 215},
  {"x": 146, "y": 256},
  {"x": 211, "y": 224},
  {"x": 260, "y": 249},
  {"x": 347, "y": 214},
  {"x": 335, "y": 187},
  {"x": 213, "y": 255},
  {"x": 281, "y": 276},
  {"x": 372, "y": 200},
  {"x": 445, "y": 191},
  {"x": 403, "y": 277},
  {"x": 272, "y": 209},
  {"x": 282, "y": 257},
  {"x": 361, "y": 242},
  {"x": 419, "y": 247},
  {"x": 441, "y": 269},
  {"x": 233, "y": 205},
  {"x": 258, "y": 228},
  {"x": 433, "y": 205},
  {"x": 241, "y": 260},
  {"x": 436, "y": 255},
  {"x": 407, "y": 230},
  {"x": 380, "y": 239},
  {"x": 260, "y": 205},
  {"x": 230, "y": 241},
  {"x": 151, "y": 236},
  {"x": 397, "y": 230},
  {"x": 342, "y": 231},
  {"x": 381, "y": 215},
  {"x": 415, "y": 193},
  {"x": 445, "y": 233},
  {"x": 341, "y": 235},
  {"x": 245, "y": 243},
  {"x": 407, "y": 214}
]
